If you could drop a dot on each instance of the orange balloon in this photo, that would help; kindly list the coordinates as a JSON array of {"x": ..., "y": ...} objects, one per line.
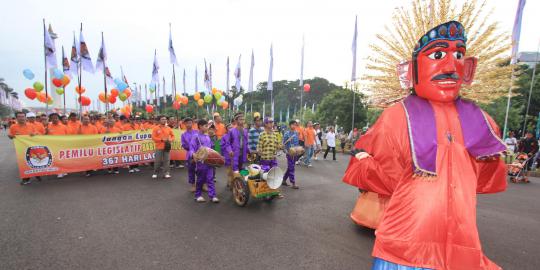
[
  {"x": 40, "y": 96},
  {"x": 101, "y": 97},
  {"x": 224, "y": 105},
  {"x": 127, "y": 92},
  {"x": 185, "y": 100},
  {"x": 81, "y": 90},
  {"x": 112, "y": 99},
  {"x": 176, "y": 105},
  {"x": 200, "y": 102},
  {"x": 114, "y": 92},
  {"x": 65, "y": 80},
  {"x": 214, "y": 91},
  {"x": 197, "y": 96}
]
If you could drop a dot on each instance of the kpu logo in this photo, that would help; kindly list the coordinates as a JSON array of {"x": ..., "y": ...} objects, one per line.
[{"x": 38, "y": 157}]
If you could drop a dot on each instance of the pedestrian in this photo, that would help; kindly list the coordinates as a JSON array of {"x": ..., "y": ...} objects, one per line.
[
  {"x": 21, "y": 127},
  {"x": 318, "y": 140},
  {"x": 529, "y": 146},
  {"x": 254, "y": 133},
  {"x": 185, "y": 141},
  {"x": 205, "y": 173},
  {"x": 309, "y": 143},
  {"x": 342, "y": 141},
  {"x": 162, "y": 136},
  {"x": 290, "y": 139},
  {"x": 237, "y": 145},
  {"x": 330, "y": 143}
]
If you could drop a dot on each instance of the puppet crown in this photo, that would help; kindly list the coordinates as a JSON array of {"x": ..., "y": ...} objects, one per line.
[{"x": 451, "y": 30}]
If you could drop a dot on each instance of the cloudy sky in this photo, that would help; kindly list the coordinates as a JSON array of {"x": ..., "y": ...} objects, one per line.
[{"x": 211, "y": 29}]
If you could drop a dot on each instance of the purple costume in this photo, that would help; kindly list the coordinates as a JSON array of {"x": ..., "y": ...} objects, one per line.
[
  {"x": 224, "y": 143},
  {"x": 186, "y": 140},
  {"x": 205, "y": 173},
  {"x": 266, "y": 165},
  {"x": 238, "y": 144}
]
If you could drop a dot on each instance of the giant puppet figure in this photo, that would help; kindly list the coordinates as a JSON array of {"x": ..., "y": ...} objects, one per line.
[{"x": 431, "y": 154}]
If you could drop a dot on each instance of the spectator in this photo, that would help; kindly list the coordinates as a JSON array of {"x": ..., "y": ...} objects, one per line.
[
  {"x": 330, "y": 143},
  {"x": 309, "y": 143},
  {"x": 162, "y": 136}
]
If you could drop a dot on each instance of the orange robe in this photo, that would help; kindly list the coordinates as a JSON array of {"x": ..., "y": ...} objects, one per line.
[{"x": 429, "y": 221}]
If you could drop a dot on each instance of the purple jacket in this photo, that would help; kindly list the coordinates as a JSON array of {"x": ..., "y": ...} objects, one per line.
[
  {"x": 186, "y": 140},
  {"x": 233, "y": 143},
  {"x": 224, "y": 153},
  {"x": 197, "y": 140}
]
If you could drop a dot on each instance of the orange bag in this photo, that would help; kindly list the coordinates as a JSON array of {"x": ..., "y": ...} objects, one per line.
[{"x": 369, "y": 209}]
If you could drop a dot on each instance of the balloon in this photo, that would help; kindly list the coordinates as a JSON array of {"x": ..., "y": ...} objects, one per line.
[
  {"x": 152, "y": 90},
  {"x": 127, "y": 92},
  {"x": 238, "y": 101},
  {"x": 307, "y": 87},
  {"x": 117, "y": 81},
  {"x": 218, "y": 95},
  {"x": 185, "y": 100},
  {"x": 153, "y": 86},
  {"x": 101, "y": 97},
  {"x": 60, "y": 91},
  {"x": 224, "y": 105},
  {"x": 40, "y": 96},
  {"x": 112, "y": 99},
  {"x": 222, "y": 98},
  {"x": 208, "y": 98},
  {"x": 122, "y": 97},
  {"x": 121, "y": 86},
  {"x": 57, "y": 82},
  {"x": 149, "y": 108},
  {"x": 114, "y": 92},
  {"x": 80, "y": 90},
  {"x": 214, "y": 91},
  {"x": 197, "y": 96},
  {"x": 50, "y": 101},
  {"x": 176, "y": 105},
  {"x": 38, "y": 86},
  {"x": 200, "y": 102},
  {"x": 58, "y": 74},
  {"x": 65, "y": 80},
  {"x": 30, "y": 93},
  {"x": 85, "y": 101},
  {"x": 28, "y": 74},
  {"x": 219, "y": 102}
]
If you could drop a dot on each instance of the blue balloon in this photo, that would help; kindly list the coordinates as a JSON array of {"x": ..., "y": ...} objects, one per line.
[
  {"x": 28, "y": 74},
  {"x": 117, "y": 81},
  {"x": 121, "y": 86},
  {"x": 58, "y": 73},
  {"x": 222, "y": 98}
]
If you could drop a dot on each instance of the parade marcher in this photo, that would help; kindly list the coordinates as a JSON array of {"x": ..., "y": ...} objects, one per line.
[
  {"x": 110, "y": 127},
  {"x": 224, "y": 140},
  {"x": 431, "y": 154},
  {"x": 268, "y": 145},
  {"x": 185, "y": 141},
  {"x": 220, "y": 127},
  {"x": 237, "y": 145},
  {"x": 73, "y": 124},
  {"x": 254, "y": 133},
  {"x": 309, "y": 143},
  {"x": 205, "y": 173},
  {"x": 39, "y": 129},
  {"x": 330, "y": 143},
  {"x": 162, "y": 136},
  {"x": 290, "y": 139},
  {"x": 21, "y": 127},
  {"x": 87, "y": 128},
  {"x": 55, "y": 127}
]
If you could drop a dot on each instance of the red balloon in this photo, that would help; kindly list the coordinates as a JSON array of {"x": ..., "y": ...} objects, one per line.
[
  {"x": 307, "y": 87},
  {"x": 30, "y": 93},
  {"x": 57, "y": 82},
  {"x": 114, "y": 92},
  {"x": 149, "y": 108},
  {"x": 112, "y": 99},
  {"x": 85, "y": 101},
  {"x": 176, "y": 105}
]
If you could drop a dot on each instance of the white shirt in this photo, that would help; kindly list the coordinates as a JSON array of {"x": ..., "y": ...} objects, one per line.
[
  {"x": 512, "y": 143},
  {"x": 331, "y": 139}
]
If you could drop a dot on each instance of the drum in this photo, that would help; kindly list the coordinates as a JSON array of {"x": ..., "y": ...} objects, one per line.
[
  {"x": 296, "y": 151},
  {"x": 209, "y": 157}
]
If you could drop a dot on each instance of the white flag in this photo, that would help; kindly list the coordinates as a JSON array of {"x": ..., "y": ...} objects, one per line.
[
  {"x": 102, "y": 55},
  {"x": 302, "y": 65},
  {"x": 210, "y": 76},
  {"x": 164, "y": 97},
  {"x": 270, "y": 85},
  {"x": 155, "y": 69},
  {"x": 74, "y": 67},
  {"x": 50, "y": 50},
  {"x": 172, "y": 54},
  {"x": 65, "y": 63},
  {"x": 184, "y": 81},
  {"x": 226, "y": 90},
  {"x": 86, "y": 60},
  {"x": 353, "y": 75},
  {"x": 206, "y": 77},
  {"x": 238, "y": 74},
  {"x": 250, "y": 85}
]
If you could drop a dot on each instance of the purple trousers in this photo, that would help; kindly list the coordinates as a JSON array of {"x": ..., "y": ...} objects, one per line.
[
  {"x": 237, "y": 163},
  {"x": 205, "y": 175},
  {"x": 289, "y": 174},
  {"x": 191, "y": 171},
  {"x": 266, "y": 165}
]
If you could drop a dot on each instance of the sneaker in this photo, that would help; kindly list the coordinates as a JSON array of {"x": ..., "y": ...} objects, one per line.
[
  {"x": 116, "y": 172},
  {"x": 309, "y": 165},
  {"x": 167, "y": 176},
  {"x": 294, "y": 186},
  {"x": 200, "y": 199},
  {"x": 136, "y": 169},
  {"x": 171, "y": 166},
  {"x": 154, "y": 176},
  {"x": 180, "y": 166},
  {"x": 316, "y": 158},
  {"x": 131, "y": 170},
  {"x": 88, "y": 175},
  {"x": 60, "y": 175},
  {"x": 109, "y": 171},
  {"x": 215, "y": 200},
  {"x": 26, "y": 182},
  {"x": 296, "y": 163},
  {"x": 284, "y": 183}
]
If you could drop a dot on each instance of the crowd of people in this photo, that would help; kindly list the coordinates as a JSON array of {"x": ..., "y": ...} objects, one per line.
[
  {"x": 238, "y": 142},
  {"x": 527, "y": 145}
]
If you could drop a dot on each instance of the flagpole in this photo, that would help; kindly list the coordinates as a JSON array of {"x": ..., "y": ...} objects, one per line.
[
  {"x": 301, "y": 100},
  {"x": 64, "y": 95},
  {"x": 45, "y": 58},
  {"x": 105, "y": 76},
  {"x": 80, "y": 83},
  {"x": 530, "y": 89}
]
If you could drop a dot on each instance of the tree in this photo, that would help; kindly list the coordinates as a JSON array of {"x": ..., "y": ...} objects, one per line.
[
  {"x": 336, "y": 108},
  {"x": 5, "y": 111}
]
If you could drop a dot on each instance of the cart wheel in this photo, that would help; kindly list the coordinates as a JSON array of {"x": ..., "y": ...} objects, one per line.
[{"x": 240, "y": 191}]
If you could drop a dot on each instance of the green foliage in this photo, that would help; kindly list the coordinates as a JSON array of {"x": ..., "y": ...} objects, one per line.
[
  {"x": 5, "y": 111},
  {"x": 336, "y": 108},
  {"x": 497, "y": 110}
]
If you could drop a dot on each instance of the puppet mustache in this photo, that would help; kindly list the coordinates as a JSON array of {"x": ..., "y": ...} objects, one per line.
[{"x": 445, "y": 76}]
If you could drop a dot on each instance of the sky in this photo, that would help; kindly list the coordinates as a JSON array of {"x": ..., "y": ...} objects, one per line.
[{"x": 211, "y": 30}]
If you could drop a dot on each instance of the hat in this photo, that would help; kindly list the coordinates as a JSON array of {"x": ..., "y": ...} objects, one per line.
[
  {"x": 268, "y": 120},
  {"x": 451, "y": 30},
  {"x": 30, "y": 114}
]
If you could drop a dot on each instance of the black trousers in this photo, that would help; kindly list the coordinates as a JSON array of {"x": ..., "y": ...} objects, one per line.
[{"x": 333, "y": 152}]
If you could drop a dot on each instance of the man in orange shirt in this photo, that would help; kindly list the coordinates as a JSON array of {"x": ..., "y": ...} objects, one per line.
[
  {"x": 38, "y": 126},
  {"x": 73, "y": 124},
  {"x": 21, "y": 127},
  {"x": 162, "y": 136},
  {"x": 55, "y": 127},
  {"x": 309, "y": 143},
  {"x": 220, "y": 127},
  {"x": 110, "y": 127},
  {"x": 87, "y": 129}
]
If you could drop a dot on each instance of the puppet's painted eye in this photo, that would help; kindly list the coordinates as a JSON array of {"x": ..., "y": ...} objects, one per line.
[
  {"x": 458, "y": 55},
  {"x": 437, "y": 55}
]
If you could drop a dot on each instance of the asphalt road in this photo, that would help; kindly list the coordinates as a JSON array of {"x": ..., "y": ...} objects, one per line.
[{"x": 129, "y": 221}]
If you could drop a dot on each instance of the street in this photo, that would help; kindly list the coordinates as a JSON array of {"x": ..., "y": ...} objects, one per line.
[{"x": 130, "y": 221}]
